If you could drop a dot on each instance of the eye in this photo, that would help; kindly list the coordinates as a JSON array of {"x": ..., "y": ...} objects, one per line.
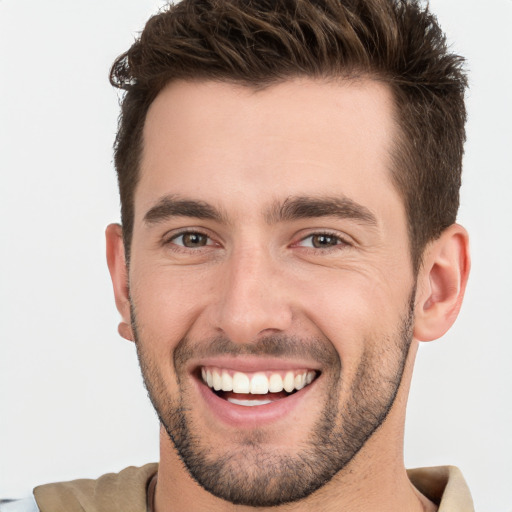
[
  {"x": 191, "y": 240},
  {"x": 321, "y": 241}
]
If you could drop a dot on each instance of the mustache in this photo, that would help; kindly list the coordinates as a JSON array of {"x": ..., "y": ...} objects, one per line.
[{"x": 320, "y": 350}]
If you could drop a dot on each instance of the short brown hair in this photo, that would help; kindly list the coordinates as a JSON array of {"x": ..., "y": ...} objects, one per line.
[{"x": 258, "y": 43}]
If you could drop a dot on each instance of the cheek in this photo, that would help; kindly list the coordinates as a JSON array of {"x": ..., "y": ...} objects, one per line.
[
  {"x": 352, "y": 309},
  {"x": 168, "y": 301}
]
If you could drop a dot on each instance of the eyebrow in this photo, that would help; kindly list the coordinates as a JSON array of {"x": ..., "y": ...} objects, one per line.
[
  {"x": 173, "y": 206},
  {"x": 304, "y": 207},
  {"x": 292, "y": 208}
]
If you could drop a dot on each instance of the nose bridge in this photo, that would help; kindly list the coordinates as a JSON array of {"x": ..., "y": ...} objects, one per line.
[{"x": 252, "y": 299}]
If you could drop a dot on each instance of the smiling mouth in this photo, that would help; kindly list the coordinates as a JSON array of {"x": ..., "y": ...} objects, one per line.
[{"x": 256, "y": 388}]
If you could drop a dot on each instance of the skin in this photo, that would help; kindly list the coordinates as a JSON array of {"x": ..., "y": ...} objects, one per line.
[{"x": 244, "y": 152}]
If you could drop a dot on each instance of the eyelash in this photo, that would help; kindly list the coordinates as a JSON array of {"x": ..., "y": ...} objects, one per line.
[
  {"x": 171, "y": 240},
  {"x": 340, "y": 241}
]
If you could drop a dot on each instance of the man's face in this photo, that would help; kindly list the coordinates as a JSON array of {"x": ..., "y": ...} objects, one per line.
[{"x": 270, "y": 250}]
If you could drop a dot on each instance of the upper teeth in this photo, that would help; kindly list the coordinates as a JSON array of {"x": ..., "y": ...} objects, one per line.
[{"x": 258, "y": 383}]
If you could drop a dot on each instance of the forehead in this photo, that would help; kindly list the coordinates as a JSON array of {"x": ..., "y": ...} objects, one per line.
[{"x": 235, "y": 147}]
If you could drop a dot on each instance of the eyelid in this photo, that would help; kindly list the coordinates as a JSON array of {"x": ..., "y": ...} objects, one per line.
[
  {"x": 172, "y": 235},
  {"x": 343, "y": 240}
]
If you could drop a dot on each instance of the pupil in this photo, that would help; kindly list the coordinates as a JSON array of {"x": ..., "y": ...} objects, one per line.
[
  {"x": 194, "y": 240},
  {"x": 324, "y": 240}
]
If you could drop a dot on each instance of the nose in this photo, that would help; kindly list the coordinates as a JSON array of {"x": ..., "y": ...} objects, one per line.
[{"x": 253, "y": 297}]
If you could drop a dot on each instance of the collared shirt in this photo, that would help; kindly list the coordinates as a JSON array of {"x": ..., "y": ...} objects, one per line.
[
  {"x": 443, "y": 485},
  {"x": 128, "y": 491}
]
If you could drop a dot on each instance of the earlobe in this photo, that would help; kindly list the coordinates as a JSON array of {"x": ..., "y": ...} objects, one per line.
[
  {"x": 441, "y": 283},
  {"x": 125, "y": 331},
  {"x": 119, "y": 274}
]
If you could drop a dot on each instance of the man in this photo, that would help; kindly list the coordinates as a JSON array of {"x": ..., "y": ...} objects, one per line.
[{"x": 289, "y": 176}]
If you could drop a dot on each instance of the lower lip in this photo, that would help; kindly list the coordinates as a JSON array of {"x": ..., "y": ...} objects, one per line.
[{"x": 251, "y": 416}]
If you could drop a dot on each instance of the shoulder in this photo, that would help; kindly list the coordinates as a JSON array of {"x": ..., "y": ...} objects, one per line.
[{"x": 123, "y": 491}]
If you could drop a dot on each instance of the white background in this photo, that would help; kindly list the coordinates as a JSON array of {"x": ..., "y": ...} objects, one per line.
[{"x": 72, "y": 402}]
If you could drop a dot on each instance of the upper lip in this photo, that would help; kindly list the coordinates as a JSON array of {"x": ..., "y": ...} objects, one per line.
[{"x": 255, "y": 364}]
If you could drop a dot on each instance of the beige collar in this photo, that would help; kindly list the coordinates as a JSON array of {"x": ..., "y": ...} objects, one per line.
[
  {"x": 443, "y": 485},
  {"x": 150, "y": 498}
]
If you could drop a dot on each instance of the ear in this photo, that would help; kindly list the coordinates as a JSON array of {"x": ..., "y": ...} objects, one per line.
[
  {"x": 119, "y": 274},
  {"x": 441, "y": 283}
]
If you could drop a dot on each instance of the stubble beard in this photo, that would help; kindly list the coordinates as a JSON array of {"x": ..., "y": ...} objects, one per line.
[{"x": 253, "y": 474}]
